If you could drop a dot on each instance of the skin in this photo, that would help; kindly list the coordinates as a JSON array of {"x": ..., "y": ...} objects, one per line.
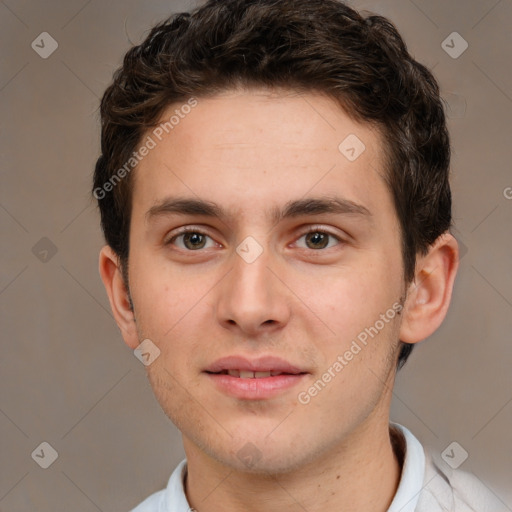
[{"x": 251, "y": 151}]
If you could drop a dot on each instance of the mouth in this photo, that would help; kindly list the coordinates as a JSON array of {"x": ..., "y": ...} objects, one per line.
[
  {"x": 254, "y": 379},
  {"x": 258, "y": 368},
  {"x": 247, "y": 374}
]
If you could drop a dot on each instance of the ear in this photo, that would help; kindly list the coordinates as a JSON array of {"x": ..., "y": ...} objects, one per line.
[
  {"x": 429, "y": 294},
  {"x": 112, "y": 277}
]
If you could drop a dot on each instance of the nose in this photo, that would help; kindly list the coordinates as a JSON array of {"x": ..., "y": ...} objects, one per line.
[{"x": 252, "y": 300}]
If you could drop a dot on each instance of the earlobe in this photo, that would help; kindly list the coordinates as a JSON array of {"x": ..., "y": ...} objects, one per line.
[
  {"x": 111, "y": 275},
  {"x": 430, "y": 293}
]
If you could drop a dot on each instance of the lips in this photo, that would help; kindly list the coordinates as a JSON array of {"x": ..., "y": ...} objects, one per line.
[
  {"x": 262, "y": 367},
  {"x": 245, "y": 374},
  {"x": 261, "y": 378}
]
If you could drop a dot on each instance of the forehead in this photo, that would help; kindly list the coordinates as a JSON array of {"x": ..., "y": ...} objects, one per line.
[
  {"x": 302, "y": 119},
  {"x": 252, "y": 146}
]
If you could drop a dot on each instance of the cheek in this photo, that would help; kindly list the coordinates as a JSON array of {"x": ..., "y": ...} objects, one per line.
[
  {"x": 360, "y": 309},
  {"x": 170, "y": 391},
  {"x": 163, "y": 297},
  {"x": 354, "y": 298}
]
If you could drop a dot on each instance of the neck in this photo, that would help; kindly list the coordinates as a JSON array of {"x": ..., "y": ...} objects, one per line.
[{"x": 360, "y": 474}]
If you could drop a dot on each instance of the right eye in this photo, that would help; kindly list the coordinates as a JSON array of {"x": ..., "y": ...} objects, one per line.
[{"x": 191, "y": 240}]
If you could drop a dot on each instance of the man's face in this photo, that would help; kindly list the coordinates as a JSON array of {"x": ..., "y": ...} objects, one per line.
[{"x": 304, "y": 298}]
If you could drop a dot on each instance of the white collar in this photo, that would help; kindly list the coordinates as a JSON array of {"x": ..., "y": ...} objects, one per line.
[{"x": 413, "y": 474}]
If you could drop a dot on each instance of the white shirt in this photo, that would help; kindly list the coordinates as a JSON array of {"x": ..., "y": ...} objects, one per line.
[{"x": 425, "y": 486}]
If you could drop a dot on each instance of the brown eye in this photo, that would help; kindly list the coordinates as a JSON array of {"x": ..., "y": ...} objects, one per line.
[
  {"x": 191, "y": 240},
  {"x": 317, "y": 240},
  {"x": 194, "y": 240}
]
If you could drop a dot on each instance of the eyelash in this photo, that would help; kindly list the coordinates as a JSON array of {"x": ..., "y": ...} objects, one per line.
[{"x": 310, "y": 230}]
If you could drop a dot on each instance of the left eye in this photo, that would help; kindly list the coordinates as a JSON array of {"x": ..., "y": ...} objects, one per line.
[
  {"x": 319, "y": 240},
  {"x": 192, "y": 240}
]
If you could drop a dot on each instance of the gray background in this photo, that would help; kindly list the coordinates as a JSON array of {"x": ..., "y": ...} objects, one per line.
[{"x": 66, "y": 376}]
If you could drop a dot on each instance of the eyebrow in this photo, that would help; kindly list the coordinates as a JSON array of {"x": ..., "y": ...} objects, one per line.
[{"x": 292, "y": 209}]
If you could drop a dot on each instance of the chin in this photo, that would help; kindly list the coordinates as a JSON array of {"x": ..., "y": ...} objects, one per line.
[
  {"x": 251, "y": 460},
  {"x": 259, "y": 454}
]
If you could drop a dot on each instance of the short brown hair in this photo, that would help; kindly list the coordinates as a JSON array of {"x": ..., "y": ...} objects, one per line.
[{"x": 306, "y": 45}]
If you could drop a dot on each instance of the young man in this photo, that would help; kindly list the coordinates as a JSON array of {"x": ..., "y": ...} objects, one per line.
[{"x": 274, "y": 193}]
